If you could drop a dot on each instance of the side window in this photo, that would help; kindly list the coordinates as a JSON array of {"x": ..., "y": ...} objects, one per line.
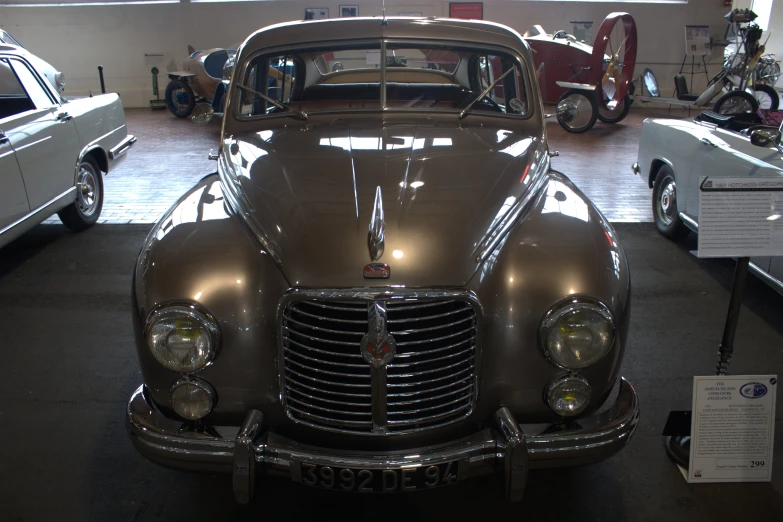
[
  {"x": 34, "y": 89},
  {"x": 13, "y": 98},
  {"x": 272, "y": 76},
  {"x": 511, "y": 87}
]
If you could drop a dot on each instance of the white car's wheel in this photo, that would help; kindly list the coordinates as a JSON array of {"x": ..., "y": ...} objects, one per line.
[
  {"x": 84, "y": 212},
  {"x": 665, "y": 212}
]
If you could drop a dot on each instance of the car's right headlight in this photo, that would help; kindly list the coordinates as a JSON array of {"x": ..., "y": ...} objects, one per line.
[
  {"x": 577, "y": 332},
  {"x": 182, "y": 338}
]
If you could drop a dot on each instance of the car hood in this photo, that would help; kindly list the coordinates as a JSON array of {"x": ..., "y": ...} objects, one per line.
[{"x": 309, "y": 193}]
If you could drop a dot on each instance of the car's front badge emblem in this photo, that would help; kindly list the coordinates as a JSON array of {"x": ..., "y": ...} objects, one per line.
[
  {"x": 377, "y": 271},
  {"x": 377, "y": 346},
  {"x": 375, "y": 238}
]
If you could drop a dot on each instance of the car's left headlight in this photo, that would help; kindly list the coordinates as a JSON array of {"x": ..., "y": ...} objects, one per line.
[
  {"x": 59, "y": 79},
  {"x": 577, "y": 332},
  {"x": 182, "y": 338}
]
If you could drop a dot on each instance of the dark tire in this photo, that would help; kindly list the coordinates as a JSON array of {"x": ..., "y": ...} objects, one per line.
[
  {"x": 577, "y": 111},
  {"x": 766, "y": 96},
  {"x": 736, "y": 102},
  {"x": 180, "y": 98},
  {"x": 664, "y": 205},
  {"x": 85, "y": 211},
  {"x": 615, "y": 116}
]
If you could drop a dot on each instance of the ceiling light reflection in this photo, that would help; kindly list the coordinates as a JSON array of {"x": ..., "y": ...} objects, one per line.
[{"x": 398, "y": 254}]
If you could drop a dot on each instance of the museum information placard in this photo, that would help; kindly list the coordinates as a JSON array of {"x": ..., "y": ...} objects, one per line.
[
  {"x": 732, "y": 428},
  {"x": 740, "y": 217}
]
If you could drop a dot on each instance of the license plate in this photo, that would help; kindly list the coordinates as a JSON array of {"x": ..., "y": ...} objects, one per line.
[{"x": 378, "y": 480}]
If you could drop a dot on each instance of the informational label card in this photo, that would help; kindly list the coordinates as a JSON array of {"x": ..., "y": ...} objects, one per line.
[
  {"x": 740, "y": 217},
  {"x": 732, "y": 428}
]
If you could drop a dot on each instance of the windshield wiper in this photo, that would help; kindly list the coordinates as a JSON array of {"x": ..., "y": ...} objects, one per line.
[
  {"x": 484, "y": 93},
  {"x": 274, "y": 102}
]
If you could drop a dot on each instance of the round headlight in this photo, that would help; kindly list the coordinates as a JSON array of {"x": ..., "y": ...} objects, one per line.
[
  {"x": 59, "y": 79},
  {"x": 192, "y": 399},
  {"x": 568, "y": 396},
  {"x": 181, "y": 338},
  {"x": 577, "y": 333}
]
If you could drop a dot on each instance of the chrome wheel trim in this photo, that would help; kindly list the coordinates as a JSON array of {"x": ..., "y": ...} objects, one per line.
[
  {"x": 88, "y": 193},
  {"x": 571, "y": 111},
  {"x": 666, "y": 206}
]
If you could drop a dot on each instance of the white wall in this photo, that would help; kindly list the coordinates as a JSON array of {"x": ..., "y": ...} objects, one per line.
[{"x": 78, "y": 39}]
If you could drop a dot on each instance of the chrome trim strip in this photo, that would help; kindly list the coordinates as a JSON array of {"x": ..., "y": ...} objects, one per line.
[
  {"x": 771, "y": 280},
  {"x": 41, "y": 212},
  {"x": 391, "y": 297},
  {"x": 31, "y": 144},
  {"x": 486, "y": 247},
  {"x": 690, "y": 223},
  {"x": 122, "y": 147},
  {"x": 4, "y": 154}
]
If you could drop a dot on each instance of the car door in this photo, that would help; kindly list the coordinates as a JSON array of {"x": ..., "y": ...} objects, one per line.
[
  {"x": 13, "y": 198},
  {"x": 727, "y": 153},
  {"x": 44, "y": 138}
]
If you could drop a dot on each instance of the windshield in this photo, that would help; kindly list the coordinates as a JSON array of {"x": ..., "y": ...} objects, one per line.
[{"x": 411, "y": 77}]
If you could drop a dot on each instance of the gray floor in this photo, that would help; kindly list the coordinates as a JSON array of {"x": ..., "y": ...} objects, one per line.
[{"x": 69, "y": 368}]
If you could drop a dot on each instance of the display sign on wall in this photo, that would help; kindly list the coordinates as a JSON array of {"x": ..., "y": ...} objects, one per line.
[
  {"x": 316, "y": 13},
  {"x": 740, "y": 217},
  {"x": 467, "y": 10},
  {"x": 697, "y": 40},
  {"x": 732, "y": 428}
]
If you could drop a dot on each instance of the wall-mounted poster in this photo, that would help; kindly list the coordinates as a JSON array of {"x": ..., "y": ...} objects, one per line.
[
  {"x": 466, "y": 10},
  {"x": 697, "y": 40},
  {"x": 349, "y": 11},
  {"x": 316, "y": 13}
]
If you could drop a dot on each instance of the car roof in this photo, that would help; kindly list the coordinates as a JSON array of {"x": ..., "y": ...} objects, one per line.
[{"x": 342, "y": 29}]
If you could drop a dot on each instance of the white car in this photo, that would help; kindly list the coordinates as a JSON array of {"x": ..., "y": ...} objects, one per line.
[
  {"x": 52, "y": 151},
  {"x": 55, "y": 77},
  {"x": 673, "y": 154}
]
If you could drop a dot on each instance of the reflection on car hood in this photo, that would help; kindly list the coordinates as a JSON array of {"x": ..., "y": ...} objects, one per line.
[{"x": 309, "y": 192}]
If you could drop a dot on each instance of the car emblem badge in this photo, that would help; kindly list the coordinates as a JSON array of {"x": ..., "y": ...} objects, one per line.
[
  {"x": 377, "y": 271},
  {"x": 378, "y": 346},
  {"x": 375, "y": 238}
]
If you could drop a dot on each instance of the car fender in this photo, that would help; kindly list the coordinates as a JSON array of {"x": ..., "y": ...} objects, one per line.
[
  {"x": 200, "y": 254},
  {"x": 561, "y": 247}
]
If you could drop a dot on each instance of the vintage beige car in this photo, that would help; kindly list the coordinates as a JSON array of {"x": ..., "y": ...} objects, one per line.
[{"x": 384, "y": 287}]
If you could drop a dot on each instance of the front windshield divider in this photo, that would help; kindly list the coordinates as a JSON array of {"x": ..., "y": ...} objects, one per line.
[{"x": 383, "y": 75}]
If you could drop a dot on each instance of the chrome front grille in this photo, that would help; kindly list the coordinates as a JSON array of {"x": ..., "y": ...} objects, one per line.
[{"x": 431, "y": 380}]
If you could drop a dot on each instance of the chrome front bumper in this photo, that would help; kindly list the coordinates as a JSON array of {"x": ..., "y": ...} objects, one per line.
[{"x": 503, "y": 448}]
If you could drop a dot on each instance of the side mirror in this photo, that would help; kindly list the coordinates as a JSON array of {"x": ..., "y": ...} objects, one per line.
[{"x": 765, "y": 137}]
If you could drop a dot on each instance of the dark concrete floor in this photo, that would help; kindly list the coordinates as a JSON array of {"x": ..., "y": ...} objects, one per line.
[{"x": 69, "y": 366}]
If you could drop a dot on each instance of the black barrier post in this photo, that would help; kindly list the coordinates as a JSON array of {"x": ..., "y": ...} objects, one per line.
[
  {"x": 726, "y": 349},
  {"x": 678, "y": 446},
  {"x": 100, "y": 75}
]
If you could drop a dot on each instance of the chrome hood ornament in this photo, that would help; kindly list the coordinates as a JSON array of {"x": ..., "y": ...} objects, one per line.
[{"x": 377, "y": 227}]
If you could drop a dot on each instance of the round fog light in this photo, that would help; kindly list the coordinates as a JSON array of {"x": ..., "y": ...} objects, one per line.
[
  {"x": 192, "y": 399},
  {"x": 568, "y": 396}
]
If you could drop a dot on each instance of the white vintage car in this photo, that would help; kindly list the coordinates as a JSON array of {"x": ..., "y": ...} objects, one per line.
[
  {"x": 673, "y": 154},
  {"x": 52, "y": 151}
]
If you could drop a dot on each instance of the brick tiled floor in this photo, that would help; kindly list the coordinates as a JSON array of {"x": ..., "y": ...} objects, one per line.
[{"x": 171, "y": 155}]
